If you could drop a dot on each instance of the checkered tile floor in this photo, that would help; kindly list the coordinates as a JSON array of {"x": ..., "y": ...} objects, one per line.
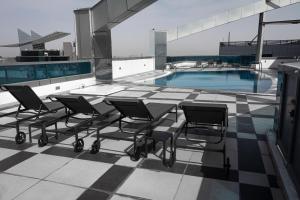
[{"x": 56, "y": 172}]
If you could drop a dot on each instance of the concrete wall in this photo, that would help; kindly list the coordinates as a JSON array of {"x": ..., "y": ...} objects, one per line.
[
  {"x": 42, "y": 91},
  {"x": 83, "y": 34},
  {"x": 158, "y": 48},
  {"x": 123, "y": 68}
]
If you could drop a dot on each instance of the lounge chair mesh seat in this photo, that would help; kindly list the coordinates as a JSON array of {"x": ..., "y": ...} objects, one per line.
[
  {"x": 29, "y": 103},
  {"x": 143, "y": 116},
  {"x": 75, "y": 105},
  {"x": 201, "y": 115}
]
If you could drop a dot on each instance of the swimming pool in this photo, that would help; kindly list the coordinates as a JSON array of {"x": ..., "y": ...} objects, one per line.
[{"x": 232, "y": 80}]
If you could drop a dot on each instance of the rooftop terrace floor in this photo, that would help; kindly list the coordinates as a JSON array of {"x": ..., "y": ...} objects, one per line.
[{"x": 56, "y": 172}]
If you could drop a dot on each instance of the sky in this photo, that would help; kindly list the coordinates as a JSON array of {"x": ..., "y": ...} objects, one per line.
[{"x": 131, "y": 38}]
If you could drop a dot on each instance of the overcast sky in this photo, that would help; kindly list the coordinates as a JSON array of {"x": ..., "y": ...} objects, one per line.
[{"x": 131, "y": 38}]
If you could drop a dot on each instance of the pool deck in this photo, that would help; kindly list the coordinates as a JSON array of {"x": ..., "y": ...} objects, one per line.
[{"x": 56, "y": 172}]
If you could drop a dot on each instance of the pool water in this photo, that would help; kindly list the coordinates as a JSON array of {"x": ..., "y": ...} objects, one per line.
[{"x": 232, "y": 80}]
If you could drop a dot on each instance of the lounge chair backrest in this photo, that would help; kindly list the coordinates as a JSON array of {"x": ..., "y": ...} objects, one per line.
[
  {"x": 26, "y": 97},
  {"x": 205, "y": 113},
  {"x": 132, "y": 108},
  {"x": 78, "y": 104}
]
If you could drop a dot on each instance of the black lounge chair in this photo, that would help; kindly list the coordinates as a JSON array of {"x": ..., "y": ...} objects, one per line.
[
  {"x": 29, "y": 103},
  {"x": 75, "y": 105},
  {"x": 144, "y": 117},
  {"x": 200, "y": 115}
]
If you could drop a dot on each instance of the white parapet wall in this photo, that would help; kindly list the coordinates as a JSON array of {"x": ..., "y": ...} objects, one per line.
[
  {"x": 127, "y": 67},
  {"x": 45, "y": 90},
  {"x": 272, "y": 63}
]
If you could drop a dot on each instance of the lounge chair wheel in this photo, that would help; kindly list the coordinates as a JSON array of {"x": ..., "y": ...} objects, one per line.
[
  {"x": 20, "y": 137},
  {"x": 79, "y": 145},
  {"x": 43, "y": 140},
  {"x": 136, "y": 155},
  {"x": 95, "y": 147}
]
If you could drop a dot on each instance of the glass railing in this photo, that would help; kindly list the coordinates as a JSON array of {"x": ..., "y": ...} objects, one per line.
[
  {"x": 15, "y": 73},
  {"x": 236, "y": 60}
]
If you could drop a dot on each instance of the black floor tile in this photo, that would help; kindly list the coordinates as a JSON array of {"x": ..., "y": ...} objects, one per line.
[
  {"x": 167, "y": 122},
  {"x": 12, "y": 145},
  {"x": 249, "y": 156},
  {"x": 231, "y": 135},
  {"x": 113, "y": 178},
  {"x": 244, "y": 120},
  {"x": 212, "y": 172},
  {"x": 251, "y": 192},
  {"x": 93, "y": 195},
  {"x": 242, "y": 108},
  {"x": 261, "y": 137},
  {"x": 273, "y": 181},
  {"x": 61, "y": 151},
  {"x": 149, "y": 94},
  {"x": 192, "y": 96},
  {"x": 245, "y": 125},
  {"x": 157, "y": 165},
  {"x": 14, "y": 160},
  {"x": 100, "y": 157}
]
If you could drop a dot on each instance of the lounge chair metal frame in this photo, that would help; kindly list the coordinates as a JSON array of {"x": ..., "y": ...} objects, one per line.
[
  {"x": 139, "y": 114},
  {"x": 199, "y": 115},
  {"x": 75, "y": 105},
  {"x": 35, "y": 106}
]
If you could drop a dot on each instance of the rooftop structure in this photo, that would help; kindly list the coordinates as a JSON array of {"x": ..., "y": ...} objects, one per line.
[
  {"x": 197, "y": 127},
  {"x": 35, "y": 41}
]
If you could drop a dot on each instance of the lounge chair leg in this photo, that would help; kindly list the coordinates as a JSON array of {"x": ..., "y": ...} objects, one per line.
[
  {"x": 43, "y": 140},
  {"x": 96, "y": 144},
  {"x": 29, "y": 133},
  {"x": 79, "y": 144},
  {"x": 56, "y": 133},
  {"x": 176, "y": 114},
  {"x": 20, "y": 136},
  {"x": 186, "y": 129}
]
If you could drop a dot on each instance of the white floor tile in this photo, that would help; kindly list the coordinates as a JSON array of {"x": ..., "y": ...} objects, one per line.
[
  {"x": 37, "y": 149},
  {"x": 126, "y": 161},
  {"x": 6, "y": 120},
  {"x": 189, "y": 188},
  {"x": 49, "y": 191},
  {"x": 39, "y": 166},
  {"x": 151, "y": 184},
  {"x": 212, "y": 189},
  {"x": 222, "y": 97},
  {"x": 5, "y": 153},
  {"x": 261, "y": 125},
  {"x": 99, "y": 90},
  {"x": 246, "y": 136},
  {"x": 80, "y": 172},
  {"x": 259, "y": 109},
  {"x": 129, "y": 94},
  {"x": 11, "y": 186},
  {"x": 118, "y": 197},
  {"x": 167, "y": 95},
  {"x": 144, "y": 88},
  {"x": 178, "y": 90}
]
